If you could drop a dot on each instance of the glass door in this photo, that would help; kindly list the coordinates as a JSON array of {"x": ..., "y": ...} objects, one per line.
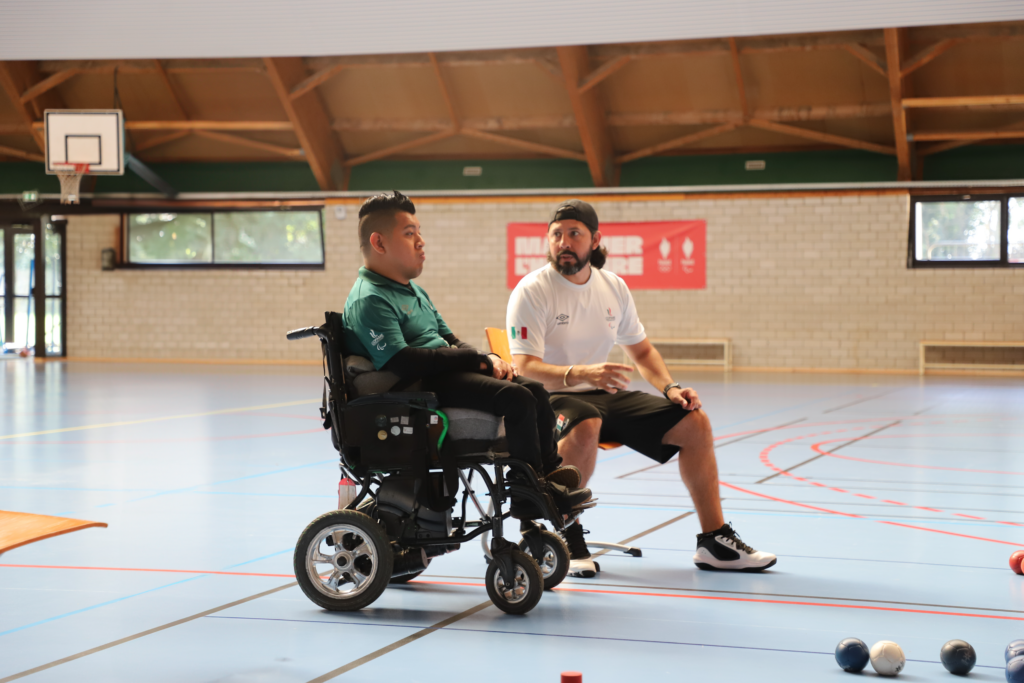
[{"x": 18, "y": 281}]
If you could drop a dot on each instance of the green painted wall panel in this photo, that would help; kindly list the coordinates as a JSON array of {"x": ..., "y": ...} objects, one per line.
[{"x": 978, "y": 162}]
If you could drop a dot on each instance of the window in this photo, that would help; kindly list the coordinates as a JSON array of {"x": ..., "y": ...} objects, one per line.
[
  {"x": 226, "y": 238},
  {"x": 984, "y": 231}
]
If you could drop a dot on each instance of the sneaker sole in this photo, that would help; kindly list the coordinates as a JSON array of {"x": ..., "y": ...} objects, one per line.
[
  {"x": 586, "y": 574},
  {"x": 711, "y": 568}
]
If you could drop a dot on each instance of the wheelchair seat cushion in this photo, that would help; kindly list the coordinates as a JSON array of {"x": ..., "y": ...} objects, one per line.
[{"x": 464, "y": 424}]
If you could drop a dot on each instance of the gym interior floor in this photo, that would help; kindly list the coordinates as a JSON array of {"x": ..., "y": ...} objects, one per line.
[{"x": 894, "y": 521}]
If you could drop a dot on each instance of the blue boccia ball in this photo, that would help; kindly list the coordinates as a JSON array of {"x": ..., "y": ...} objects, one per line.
[
  {"x": 958, "y": 657},
  {"x": 1015, "y": 670},
  {"x": 1014, "y": 649},
  {"x": 852, "y": 655}
]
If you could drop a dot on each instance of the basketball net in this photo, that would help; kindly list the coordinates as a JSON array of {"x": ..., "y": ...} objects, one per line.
[{"x": 70, "y": 176}]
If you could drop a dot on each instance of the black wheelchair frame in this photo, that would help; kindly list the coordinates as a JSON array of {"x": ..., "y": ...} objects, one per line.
[{"x": 406, "y": 481}]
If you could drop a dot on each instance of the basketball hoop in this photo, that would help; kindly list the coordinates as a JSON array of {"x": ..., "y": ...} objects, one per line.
[{"x": 70, "y": 176}]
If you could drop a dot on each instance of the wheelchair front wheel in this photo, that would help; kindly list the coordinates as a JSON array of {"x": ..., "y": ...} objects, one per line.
[
  {"x": 527, "y": 584},
  {"x": 554, "y": 561},
  {"x": 343, "y": 560}
]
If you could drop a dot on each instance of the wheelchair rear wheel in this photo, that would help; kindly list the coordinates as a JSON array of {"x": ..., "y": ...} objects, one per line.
[
  {"x": 527, "y": 585},
  {"x": 343, "y": 560},
  {"x": 554, "y": 562}
]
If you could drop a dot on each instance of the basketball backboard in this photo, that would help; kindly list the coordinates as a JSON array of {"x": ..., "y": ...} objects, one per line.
[{"x": 85, "y": 136}]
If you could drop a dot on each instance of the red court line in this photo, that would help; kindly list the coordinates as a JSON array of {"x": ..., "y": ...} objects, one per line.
[
  {"x": 817, "y": 449},
  {"x": 753, "y": 600},
  {"x": 877, "y": 521},
  {"x": 136, "y": 569}
]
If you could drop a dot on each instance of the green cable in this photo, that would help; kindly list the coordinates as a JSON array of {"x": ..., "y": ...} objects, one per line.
[{"x": 444, "y": 429}]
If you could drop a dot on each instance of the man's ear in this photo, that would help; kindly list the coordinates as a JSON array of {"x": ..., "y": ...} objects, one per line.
[
  {"x": 597, "y": 239},
  {"x": 377, "y": 243}
]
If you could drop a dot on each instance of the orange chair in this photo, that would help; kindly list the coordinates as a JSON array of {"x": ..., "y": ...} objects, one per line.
[{"x": 498, "y": 341}]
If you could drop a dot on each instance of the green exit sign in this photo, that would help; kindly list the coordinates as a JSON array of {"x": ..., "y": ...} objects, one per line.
[{"x": 30, "y": 196}]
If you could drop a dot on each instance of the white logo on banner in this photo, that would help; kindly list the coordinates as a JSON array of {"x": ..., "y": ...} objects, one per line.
[
  {"x": 530, "y": 254},
  {"x": 687, "y": 262},
  {"x": 665, "y": 263}
]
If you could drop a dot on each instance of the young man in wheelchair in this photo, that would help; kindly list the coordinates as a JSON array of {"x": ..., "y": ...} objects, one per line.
[{"x": 393, "y": 322}]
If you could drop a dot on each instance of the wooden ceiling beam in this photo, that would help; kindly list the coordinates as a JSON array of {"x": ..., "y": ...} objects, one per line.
[
  {"x": 926, "y": 55},
  {"x": 166, "y": 80},
  {"x": 737, "y": 68},
  {"x": 160, "y": 140},
  {"x": 963, "y": 101},
  {"x": 899, "y": 114},
  {"x": 15, "y": 78},
  {"x": 317, "y": 79},
  {"x": 289, "y": 152},
  {"x": 524, "y": 144},
  {"x": 591, "y": 120},
  {"x": 873, "y": 61},
  {"x": 20, "y": 154},
  {"x": 602, "y": 72},
  {"x": 312, "y": 126},
  {"x": 953, "y": 144},
  {"x": 400, "y": 147},
  {"x": 678, "y": 142},
  {"x": 827, "y": 138},
  {"x": 818, "y": 136},
  {"x": 969, "y": 135},
  {"x": 200, "y": 125},
  {"x": 47, "y": 84},
  {"x": 446, "y": 94}
]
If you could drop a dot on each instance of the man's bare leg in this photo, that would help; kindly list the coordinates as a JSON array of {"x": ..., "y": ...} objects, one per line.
[
  {"x": 697, "y": 466},
  {"x": 579, "y": 447}
]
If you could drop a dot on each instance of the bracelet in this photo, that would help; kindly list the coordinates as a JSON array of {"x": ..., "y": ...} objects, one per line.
[{"x": 565, "y": 377}]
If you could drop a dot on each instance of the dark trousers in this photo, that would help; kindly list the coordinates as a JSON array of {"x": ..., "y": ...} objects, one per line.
[{"x": 524, "y": 403}]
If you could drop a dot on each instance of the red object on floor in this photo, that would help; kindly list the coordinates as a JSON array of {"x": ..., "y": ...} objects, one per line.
[
  {"x": 572, "y": 677},
  {"x": 1015, "y": 562}
]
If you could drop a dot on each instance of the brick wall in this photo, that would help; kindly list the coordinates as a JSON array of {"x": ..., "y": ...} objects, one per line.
[{"x": 794, "y": 281}]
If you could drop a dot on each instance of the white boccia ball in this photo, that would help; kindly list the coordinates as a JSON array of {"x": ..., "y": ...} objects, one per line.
[{"x": 887, "y": 658}]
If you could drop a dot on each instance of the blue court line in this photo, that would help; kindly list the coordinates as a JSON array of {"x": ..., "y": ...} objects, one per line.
[
  {"x": 782, "y": 410},
  {"x": 135, "y": 595},
  {"x": 561, "y": 635},
  {"x": 98, "y": 605},
  {"x": 73, "y": 488},
  {"x": 228, "y": 481}
]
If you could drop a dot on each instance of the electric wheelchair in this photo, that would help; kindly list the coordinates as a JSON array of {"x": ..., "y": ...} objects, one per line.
[{"x": 409, "y": 457}]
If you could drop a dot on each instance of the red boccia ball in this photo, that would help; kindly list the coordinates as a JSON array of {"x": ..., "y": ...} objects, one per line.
[{"x": 1015, "y": 561}]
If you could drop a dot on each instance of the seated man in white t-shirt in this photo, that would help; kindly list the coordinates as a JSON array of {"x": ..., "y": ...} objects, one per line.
[{"x": 563, "y": 320}]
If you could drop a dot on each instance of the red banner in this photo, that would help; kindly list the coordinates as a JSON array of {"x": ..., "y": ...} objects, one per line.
[{"x": 655, "y": 255}]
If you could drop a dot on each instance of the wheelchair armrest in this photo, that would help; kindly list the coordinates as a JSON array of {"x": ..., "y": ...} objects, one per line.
[{"x": 423, "y": 399}]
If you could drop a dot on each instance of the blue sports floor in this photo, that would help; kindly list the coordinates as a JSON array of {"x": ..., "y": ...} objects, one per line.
[{"x": 901, "y": 504}]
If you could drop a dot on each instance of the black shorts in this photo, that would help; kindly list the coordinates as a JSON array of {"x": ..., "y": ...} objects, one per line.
[{"x": 632, "y": 418}]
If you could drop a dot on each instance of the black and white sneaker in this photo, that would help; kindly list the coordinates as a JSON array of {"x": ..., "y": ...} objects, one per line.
[
  {"x": 581, "y": 564},
  {"x": 723, "y": 549}
]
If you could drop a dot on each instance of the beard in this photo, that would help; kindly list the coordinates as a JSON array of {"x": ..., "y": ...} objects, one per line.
[{"x": 572, "y": 267}]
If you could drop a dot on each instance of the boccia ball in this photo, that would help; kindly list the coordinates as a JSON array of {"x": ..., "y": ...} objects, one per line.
[
  {"x": 1015, "y": 670},
  {"x": 852, "y": 655},
  {"x": 1015, "y": 561},
  {"x": 1016, "y": 647},
  {"x": 958, "y": 657},
  {"x": 887, "y": 658}
]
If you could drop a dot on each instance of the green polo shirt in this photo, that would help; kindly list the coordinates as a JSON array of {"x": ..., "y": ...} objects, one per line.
[{"x": 382, "y": 317}]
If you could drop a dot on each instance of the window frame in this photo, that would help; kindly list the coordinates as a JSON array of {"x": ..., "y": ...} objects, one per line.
[
  {"x": 1004, "y": 231},
  {"x": 126, "y": 261}
]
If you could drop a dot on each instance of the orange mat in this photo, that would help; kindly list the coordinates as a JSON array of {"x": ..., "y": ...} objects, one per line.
[{"x": 21, "y": 528}]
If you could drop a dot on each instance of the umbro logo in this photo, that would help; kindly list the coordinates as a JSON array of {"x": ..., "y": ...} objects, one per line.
[{"x": 562, "y": 319}]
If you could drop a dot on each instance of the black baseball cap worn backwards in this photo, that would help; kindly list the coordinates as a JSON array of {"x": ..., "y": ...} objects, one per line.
[{"x": 576, "y": 210}]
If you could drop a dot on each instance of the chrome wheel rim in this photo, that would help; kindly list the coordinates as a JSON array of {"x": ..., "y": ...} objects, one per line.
[
  {"x": 520, "y": 586},
  {"x": 548, "y": 563},
  {"x": 346, "y": 566}
]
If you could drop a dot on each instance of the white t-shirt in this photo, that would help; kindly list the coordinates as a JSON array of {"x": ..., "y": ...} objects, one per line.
[{"x": 568, "y": 324}]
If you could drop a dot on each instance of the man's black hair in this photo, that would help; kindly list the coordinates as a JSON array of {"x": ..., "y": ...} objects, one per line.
[{"x": 377, "y": 214}]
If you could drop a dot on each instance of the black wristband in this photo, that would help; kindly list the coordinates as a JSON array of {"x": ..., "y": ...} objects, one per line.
[{"x": 673, "y": 385}]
